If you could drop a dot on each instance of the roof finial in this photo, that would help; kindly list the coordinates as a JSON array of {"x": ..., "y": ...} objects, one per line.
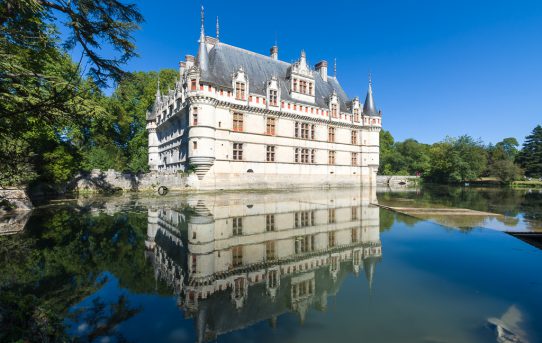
[
  {"x": 202, "y": 51},
  {"x": 217, "y": 29},
  {"x": 335, "y": 67},
  {"x": 369, "y": 107},
  {"x": 202, "y": 18}
]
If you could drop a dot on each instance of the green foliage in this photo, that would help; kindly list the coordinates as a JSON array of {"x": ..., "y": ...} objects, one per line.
[
  {"x": 530, "y": 157},
  {"x": 506, "y": 171},
  {"x": 59, "y": 164},
  {"x": 456, "y": 160},
  {"x": 402, "y": 158},
  {"x": 44, "y": 99},
  {"x": 58, "y": 261}
]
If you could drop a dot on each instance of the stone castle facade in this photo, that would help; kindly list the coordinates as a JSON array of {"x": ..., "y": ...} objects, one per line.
[{"x": 235, "y": 115}]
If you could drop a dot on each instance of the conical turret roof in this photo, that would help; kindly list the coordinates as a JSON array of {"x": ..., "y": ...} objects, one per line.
[
  {"x": 369, "y": 107},
  {"x": 203, "y": 56}
]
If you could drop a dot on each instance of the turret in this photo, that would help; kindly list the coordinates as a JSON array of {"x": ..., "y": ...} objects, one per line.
[
  {"x": 369, "y": 107},
  {"x": 154, "y": 157}
]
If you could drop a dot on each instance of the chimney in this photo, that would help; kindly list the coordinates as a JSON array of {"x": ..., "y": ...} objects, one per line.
[
  {"x": 321, "y": 68},
  {"x": 275, "y": 52},
  {"x": 189, "y": 61},
  {"x": 182, "y": 68}
]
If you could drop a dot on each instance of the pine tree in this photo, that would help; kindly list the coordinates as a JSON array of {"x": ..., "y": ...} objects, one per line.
[{"x": 530, "y": 157}]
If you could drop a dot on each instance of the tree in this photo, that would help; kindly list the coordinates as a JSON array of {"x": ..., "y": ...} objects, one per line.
[
  {"x": 505, "y": 170},
  {"x": 530, "y": 157},
  {"x": 456, "y": 160},
  {"x": 414, "y": 157},
  {"x": 122, "y": 134},
  {"x": 43, "y": 96}
]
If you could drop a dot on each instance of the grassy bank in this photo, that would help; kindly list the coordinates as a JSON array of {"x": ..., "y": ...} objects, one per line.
[{"x": 527, "y": 184}]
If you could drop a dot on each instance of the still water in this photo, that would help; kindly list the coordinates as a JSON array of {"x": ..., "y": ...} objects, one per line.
[{"x": 311, "y": 266}]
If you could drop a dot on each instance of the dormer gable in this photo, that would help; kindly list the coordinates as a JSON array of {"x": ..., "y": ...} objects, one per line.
[
  {"x": 273, "y": 92},
  {"x": 301, "y": 79},
  {"x": 356, "y": 109},
  {"x": 334, "y": 106},
  {"x": 240, "y": 84}
]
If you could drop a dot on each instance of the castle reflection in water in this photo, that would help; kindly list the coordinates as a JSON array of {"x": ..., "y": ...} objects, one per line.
[{"x": 235, "y": 259}]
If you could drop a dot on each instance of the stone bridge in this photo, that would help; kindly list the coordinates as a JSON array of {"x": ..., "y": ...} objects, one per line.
[{"x": 396, "y": 180}]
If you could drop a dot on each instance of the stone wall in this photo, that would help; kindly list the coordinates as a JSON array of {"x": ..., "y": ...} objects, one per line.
[
  {"x": 111, "y": 181},
  {"x": 15, "y": 209}
]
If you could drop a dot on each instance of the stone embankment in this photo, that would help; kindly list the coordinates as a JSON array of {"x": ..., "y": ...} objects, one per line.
[
  {"x": 15, "y": 209},
  {"x": 110, "y": 181}
]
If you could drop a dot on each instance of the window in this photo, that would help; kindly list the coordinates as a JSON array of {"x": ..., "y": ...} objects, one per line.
[
  {"x": 237, "y": 223},
  {"x": 356, "y": 114},
  {"x": 310, "y": 88},
  {"x": 354, "y": 213},
  {"x": 273, "y": 97},
  {"x": 270, "y": 126},
  {"x": 238, "y": 151},
  {"x": 305, "y": 130},
  {"x": 334, "y": 110},
  {"x": 354, "y": 158},
  {"x": 304, "y": 155},
  {"x": 331, "y": 157},
  {"x": 354, "y": 137},
  {"x": 238, "y": 122},
  {"x": 193, "y": 85},
  {"x": 303, "y": 219},
  {"x": 304, "y": 244},
  {"x": 354, "y": 235},
  {"x": 313, "y": 156},
  {"x": 331, "y": 215},
  {"x": 270, "y": 222},
  {"x": 240, "y": 91},
  {"x": 296, "y": 155},
  {"x": 331, "y": 134},
  {"x": 237, "y": 256},
  {"x": 303, "y": 86},
  {"x": 313, "y": 131},
  {"x": 295, "y": 85},
  {"x": 195, "y": 145},
  {"x": 195, "y": 116},
  {"x": 270, "y": 253},
  {"x": 296, "y": 130},
  {"x": 194, "y": 263},
  {"x": 331, "y": 239},
  {"x": 270, "y": 153}
]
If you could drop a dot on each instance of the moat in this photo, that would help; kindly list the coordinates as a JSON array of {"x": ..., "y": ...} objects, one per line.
[{"x": 303, "y": 266}]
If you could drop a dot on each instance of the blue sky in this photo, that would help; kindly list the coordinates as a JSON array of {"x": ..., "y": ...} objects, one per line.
[{"x": 439, "y": 67}]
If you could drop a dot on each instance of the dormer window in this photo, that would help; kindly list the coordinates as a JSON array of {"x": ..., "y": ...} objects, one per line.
[
  {"x": 193, "y": 85},
  {"x": 240, "y": 90},
  {"x": 334, "y": 110},
  {"x": 356, "y": 114},
  {"x": 310, "y": 88},
  {"x": 273, "y": 97},
  {"x": 295, "y": 85}
]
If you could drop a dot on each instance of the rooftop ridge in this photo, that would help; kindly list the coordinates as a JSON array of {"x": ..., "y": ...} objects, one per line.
[{"x": 253, "y": 53}]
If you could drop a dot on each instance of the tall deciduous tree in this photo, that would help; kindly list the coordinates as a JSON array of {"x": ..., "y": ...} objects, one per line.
[
  {"x": 42, "y": 92},
  {"x": 457, "y": 159}
]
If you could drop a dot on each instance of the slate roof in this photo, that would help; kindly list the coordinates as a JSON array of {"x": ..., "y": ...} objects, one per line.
[{"x": 225, "y": 60}]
